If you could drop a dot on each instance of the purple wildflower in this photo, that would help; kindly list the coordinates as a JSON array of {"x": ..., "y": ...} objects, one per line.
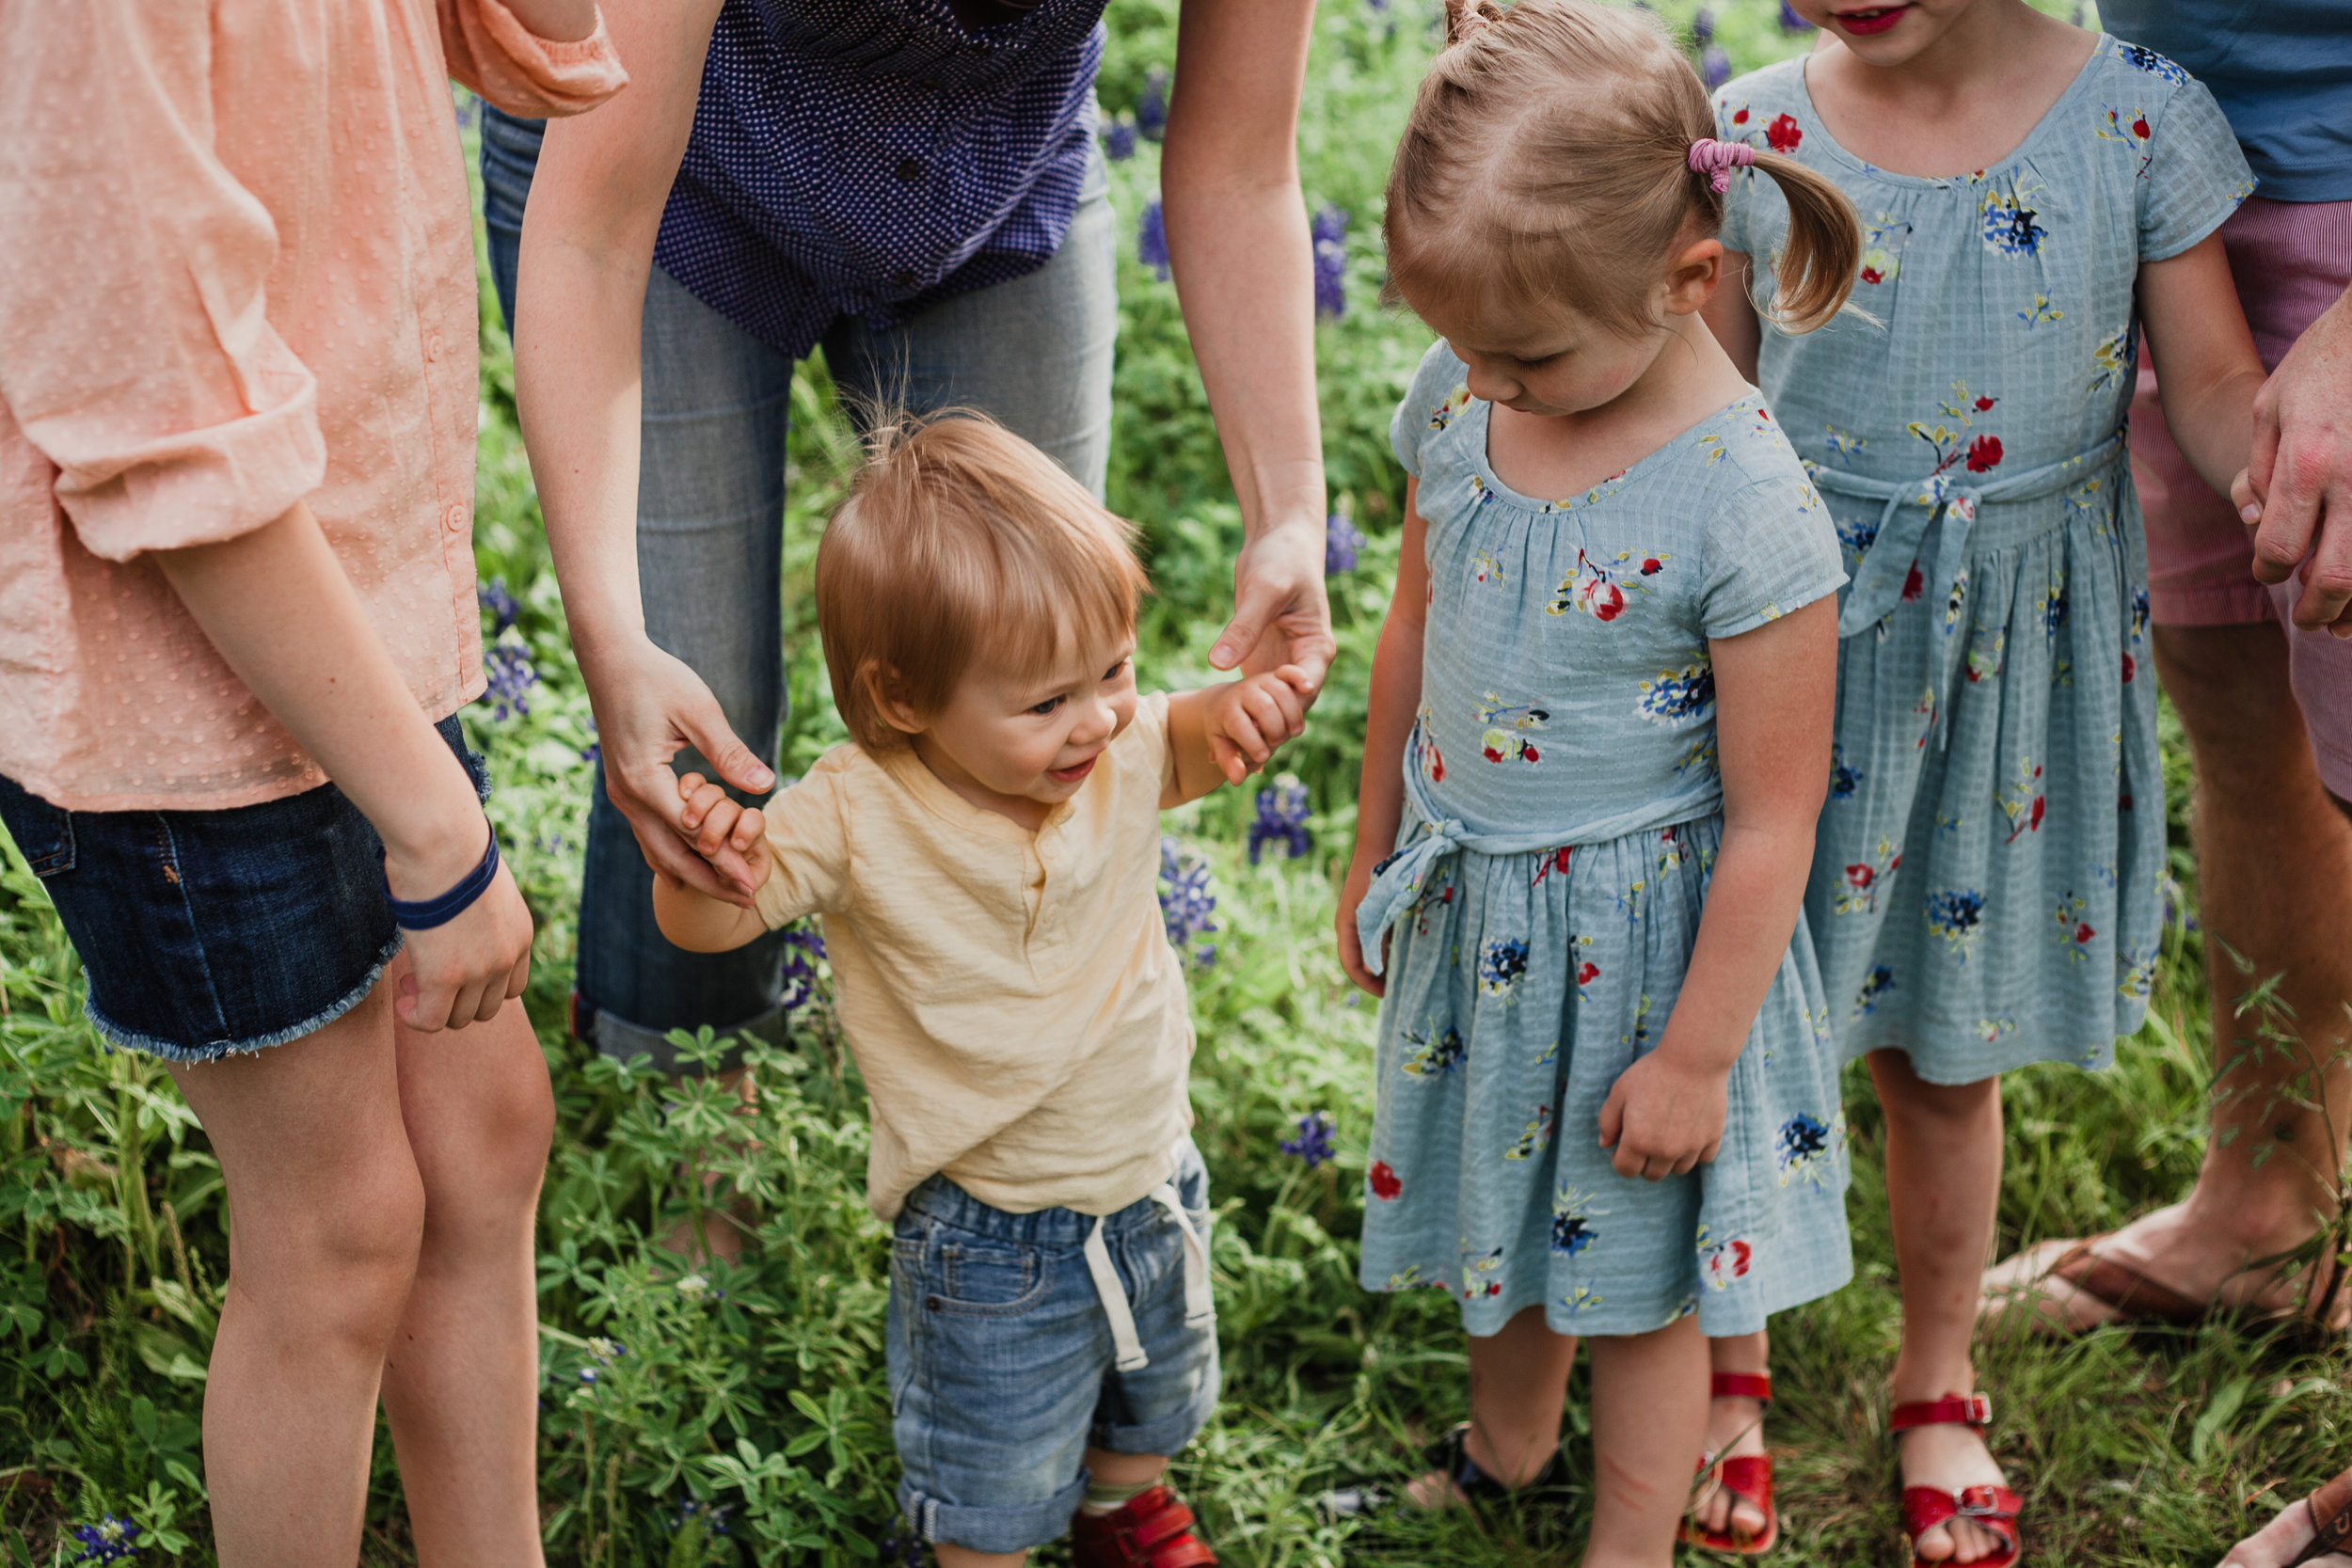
[
  {"x": 508, "y": 665},
  {"x": 1329, "y": 230},
  {"x": 593, "y": 750},
  {"x": 1714, "y": 66},
  {"x": 1703, "y": 26},
  {"x": 802, "y": 950},
  {"x": 1341, "y": 539},
  {"x": 1151, "y": 240},
  {"x": 1152, "y": 104},
  {"x": 1118, "y": 139},
  {"x": 500, "y": 603},
  {"x": 1790, "y": 22},
  {"x": 587, "y": 1375},
  {"x": 1185, "y": 901},
  {"x": 110, "y": 1540},
  {"x": 1282, "y": 818},
  {"x": 1314, "y": 1143}
]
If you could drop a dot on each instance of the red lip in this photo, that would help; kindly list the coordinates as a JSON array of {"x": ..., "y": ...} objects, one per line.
[
  {"x": 1864, "y": 23},
  {"x": 1071, "y": 775}
]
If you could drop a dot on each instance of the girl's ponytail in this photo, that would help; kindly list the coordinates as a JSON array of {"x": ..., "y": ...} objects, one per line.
[{"x": 1816, "y": 268}]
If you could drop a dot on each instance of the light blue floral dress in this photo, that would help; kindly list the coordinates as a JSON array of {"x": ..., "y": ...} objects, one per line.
[
  {"x": 1986, "y": 891},
  {"x": 1563, "y": 814}
]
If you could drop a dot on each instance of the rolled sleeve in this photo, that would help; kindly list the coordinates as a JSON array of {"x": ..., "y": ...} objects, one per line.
[
  {"x": 135, "y": 350},
  {"x": 489, "y": 50}
]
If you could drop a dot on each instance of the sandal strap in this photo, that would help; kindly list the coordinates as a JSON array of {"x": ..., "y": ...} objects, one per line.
[
  {"x": 1150, "y": 1530},
  {"x": 1741, "y": 1385},
  {"x": 1451, "y": 1453},
  {"x": 2331, "y": 1508},
  {"x": 1964, "y": 1410},
  {"x": 1749, "y": 1478},
  {"x": 1992, "y": 1508}
]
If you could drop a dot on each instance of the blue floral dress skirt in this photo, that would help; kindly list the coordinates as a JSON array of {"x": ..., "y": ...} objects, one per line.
[
  {"x": 1563, "y": 817},
  {"x": 1987, "y": 886}
]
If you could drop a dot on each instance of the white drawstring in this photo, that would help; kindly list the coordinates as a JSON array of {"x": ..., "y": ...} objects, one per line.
[{"x": 1200, "y": 1308}]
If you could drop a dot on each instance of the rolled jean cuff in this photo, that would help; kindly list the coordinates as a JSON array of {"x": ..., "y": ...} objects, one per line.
[
  {"x": 622, "y": 1040},
  {"x": 992, "y": 1529}
]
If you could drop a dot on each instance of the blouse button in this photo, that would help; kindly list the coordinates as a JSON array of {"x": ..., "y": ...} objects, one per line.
[
  {"x": 909, "y": 171},
  {"x": 433, "y": 347},
  {"x": 456, "y": 518}
]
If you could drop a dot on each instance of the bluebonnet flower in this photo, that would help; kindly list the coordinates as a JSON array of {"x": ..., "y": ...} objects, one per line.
[
  {"x": 587, "y": 1375},
  {"x": 1341, "y": 539},
  {"x": 1790, "y": 22},
  {"x": 110, "y": 1540},
  {"x": 1151, "y": 239},
  {"x": 500, "y": 603},
  {"x": 1152, "y": 104},
  {"x": 593, "y": 750},
  {"x": 508, "y": 665},
  {"x": 1328, "y": 229},
  {"x": 1703, "y": 26},
  {"x": 607, "y": 1350},
  {"x": 1714, "y": 66},
  {"x": 1314, "y": 1143},
  {"x": 715, "y": 1515},
  {"x": 1282, "y": 818},
  {"x": 1185, "y": 901},
  {"x": 802, "y": 950},
  {"x": 1118, "y": 139}
]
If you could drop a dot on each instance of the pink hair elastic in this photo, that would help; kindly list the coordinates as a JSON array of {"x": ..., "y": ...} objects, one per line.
[{"x": 1717, "y": 159}]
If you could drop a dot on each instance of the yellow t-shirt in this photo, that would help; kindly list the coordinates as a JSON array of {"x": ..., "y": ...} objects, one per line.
[{"x": 1011, "y": 998}]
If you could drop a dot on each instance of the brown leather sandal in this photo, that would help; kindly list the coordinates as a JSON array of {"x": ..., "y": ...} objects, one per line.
[
  {"x": 2331, "y": 1508},
  {"x": 2137, "y": 1298}
]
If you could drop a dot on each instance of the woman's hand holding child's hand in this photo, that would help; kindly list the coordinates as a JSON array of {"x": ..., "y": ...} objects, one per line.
[
  {"x": 1249, "y": 717},
  {"x": 717, "y": 826},
  {"x": 1664, "y": 1117}
]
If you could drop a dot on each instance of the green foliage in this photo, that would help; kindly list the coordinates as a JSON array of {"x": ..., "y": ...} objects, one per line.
[{"x": 736, "y": 1413}]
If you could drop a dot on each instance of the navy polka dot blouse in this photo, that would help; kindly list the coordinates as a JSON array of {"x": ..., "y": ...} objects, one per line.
[{"x": 870, "y": 157}]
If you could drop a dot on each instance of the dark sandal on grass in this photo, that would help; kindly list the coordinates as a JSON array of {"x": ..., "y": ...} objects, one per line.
[
  {"x": 1150, "y": 1530},
  {"x": 1991, "y": 1508},
  {"x": 2136, "y": 1298},
  {"x": 1747, "y": 1477},
  {"x": 2331, "y": 1508},
  {"x": 1369, "y": 1500}
]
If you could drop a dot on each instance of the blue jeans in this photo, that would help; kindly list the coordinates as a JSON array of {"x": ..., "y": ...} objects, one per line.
[
  {"x": 1035, "y": 353},
  {"x": 1002, "y": 1356}
]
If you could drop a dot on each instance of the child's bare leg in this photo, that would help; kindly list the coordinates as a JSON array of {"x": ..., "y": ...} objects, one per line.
[
  {"x": 328, "y": 1211},
  {"x": 1649, "y": 1417},
  {"x": 1943, "y": 1181},
  {"x": 461, "y": 1383},
  {"x": 1518, "y": 1385},
  {"x": 1734, "y": 1426}
]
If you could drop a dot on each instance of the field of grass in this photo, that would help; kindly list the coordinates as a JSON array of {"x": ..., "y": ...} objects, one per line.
[{"x": 736, "y": 1414}]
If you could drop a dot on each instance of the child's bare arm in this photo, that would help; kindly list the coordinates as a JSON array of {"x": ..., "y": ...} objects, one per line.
[
  {"x": 1221, "y": 734},
  {"x": 1776, "y": 691},
  {"x": 691, "y": 918},
  {"x": 2207, "y": 372},
  {"x": 1396, "y": 699}
]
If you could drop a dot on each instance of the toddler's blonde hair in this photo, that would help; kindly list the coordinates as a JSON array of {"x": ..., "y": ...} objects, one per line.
[
  {"x": 959, "y": 541},
  {"x": 1547, "y": 158}
]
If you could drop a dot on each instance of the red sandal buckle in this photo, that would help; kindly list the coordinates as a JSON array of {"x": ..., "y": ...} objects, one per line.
[{"x": 1969, "y": 1410}]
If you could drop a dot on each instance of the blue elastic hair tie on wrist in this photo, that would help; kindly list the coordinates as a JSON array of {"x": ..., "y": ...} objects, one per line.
[{"x": 424, "y": 913}]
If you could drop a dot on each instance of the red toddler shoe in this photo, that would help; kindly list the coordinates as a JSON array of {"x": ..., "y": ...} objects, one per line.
[{"x": 1150, "y": 1530}]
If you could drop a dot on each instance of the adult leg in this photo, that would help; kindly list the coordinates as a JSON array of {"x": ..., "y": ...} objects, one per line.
[
  {"x": 1035, "y": 354},
  {"x": 328, "y": 1213},
  {"x": 461, "y": 1383},
  {"x": 1518, "y": 1385},
  {"x": 1734, "y": 1427},
  {"x": 2274, "y": 857},
  {"x": 1649, "y": 1415},
  {"x": 1943, "y": 1183}
]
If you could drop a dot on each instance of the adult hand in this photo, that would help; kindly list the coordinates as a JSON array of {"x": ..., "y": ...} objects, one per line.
[
  {"x": 1280, "y": 612},
  {"x": 464, "y": 972},
  {"x": 2301, "y": 473},
  {"x": 649, "y": 707}
]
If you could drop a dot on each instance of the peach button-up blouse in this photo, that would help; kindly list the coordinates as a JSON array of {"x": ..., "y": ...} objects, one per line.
[{"x": 236, "y": 273}]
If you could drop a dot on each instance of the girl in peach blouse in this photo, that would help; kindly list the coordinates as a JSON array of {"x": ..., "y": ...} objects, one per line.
[{"x": 237, "y": 386}]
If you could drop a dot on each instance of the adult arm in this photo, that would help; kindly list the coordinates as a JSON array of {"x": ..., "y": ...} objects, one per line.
[
  {"x": 1237, "y": 244},
  {"x": 587, "y": 253},
  {"x": 1731, "y": 316},
  {"x": 2301, "y": 471},
  {"x": 2207, "y": 372},
  {"x": 1396, "y": 698},
  {"x": 1776, "y": 691}
]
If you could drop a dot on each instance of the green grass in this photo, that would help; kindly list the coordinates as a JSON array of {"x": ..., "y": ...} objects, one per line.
[{"x": 756, "y": 1391}]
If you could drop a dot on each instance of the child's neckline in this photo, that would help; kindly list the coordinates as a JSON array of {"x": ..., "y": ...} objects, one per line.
[
  {"x": 1600, "y": 491},
  {"x": 1816, "y": 127}
]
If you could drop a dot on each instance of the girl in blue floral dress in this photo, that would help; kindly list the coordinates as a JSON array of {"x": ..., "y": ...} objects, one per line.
[
  {"x": 1598, "y": 741},
  {"x": 1985, "y": 890}
]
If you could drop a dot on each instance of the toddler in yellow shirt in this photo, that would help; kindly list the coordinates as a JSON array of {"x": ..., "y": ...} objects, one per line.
[{"x": 984, "y": 854}]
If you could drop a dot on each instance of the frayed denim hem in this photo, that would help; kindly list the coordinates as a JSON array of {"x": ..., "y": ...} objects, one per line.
[{"x": 197, "y": 1055}]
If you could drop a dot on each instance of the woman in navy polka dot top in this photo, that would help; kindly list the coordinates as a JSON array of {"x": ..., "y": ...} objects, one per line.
[{"x": 913, "y": 185}]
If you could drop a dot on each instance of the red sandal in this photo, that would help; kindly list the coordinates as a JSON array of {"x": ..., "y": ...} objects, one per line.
[
  {"x": 1993, "y": 1508},
  {"x": 1150, "y": 1530},
  {"x": 1747, "y": 1477}
]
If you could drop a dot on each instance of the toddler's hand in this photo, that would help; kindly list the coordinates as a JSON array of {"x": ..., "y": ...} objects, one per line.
[
  {"x": 720, "y": 825},
  {"x": 1663, "y": 1118},
  {"x": 1252, "y": 715},
  {"x": 2248, "y": 499}
]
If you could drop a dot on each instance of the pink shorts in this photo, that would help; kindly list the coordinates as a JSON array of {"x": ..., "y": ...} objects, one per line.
[{"x": 2291, "y": 262}]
